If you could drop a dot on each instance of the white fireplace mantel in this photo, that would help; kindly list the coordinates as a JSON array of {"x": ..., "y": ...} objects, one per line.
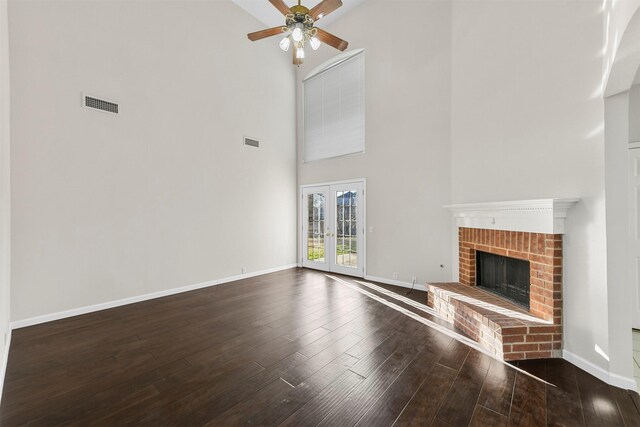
[{"x": 534, "y": 216}]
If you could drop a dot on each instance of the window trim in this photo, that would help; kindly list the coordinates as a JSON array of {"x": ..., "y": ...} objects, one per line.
[{"x": 333, "y": 62}]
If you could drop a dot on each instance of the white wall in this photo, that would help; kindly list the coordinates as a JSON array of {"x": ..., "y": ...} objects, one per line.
[
  {"x": 163, "y": 195},
  {"x": 407, "y": 159},
  {"x": 5, "y": 199},
  {"x": 634, "y": 113},
  {"x": 527, "y": 123},
  {"x": 621, "y": 60},
  {"x": 618, "y": 279}
]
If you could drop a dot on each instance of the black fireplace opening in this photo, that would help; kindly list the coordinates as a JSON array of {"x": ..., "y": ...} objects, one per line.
[{"x": 504, "y": 276}]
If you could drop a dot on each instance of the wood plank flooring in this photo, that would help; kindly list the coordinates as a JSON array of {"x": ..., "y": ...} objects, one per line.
[{"x": 294, "y": 348}]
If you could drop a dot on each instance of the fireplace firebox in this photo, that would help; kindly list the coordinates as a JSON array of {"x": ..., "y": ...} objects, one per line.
[{"x": 504, "y": 276}]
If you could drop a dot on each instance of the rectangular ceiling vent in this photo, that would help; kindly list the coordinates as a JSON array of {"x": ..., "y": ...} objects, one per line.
[
  {"x": 94, "y": 103},
  {"x": 251, "y": 142}
]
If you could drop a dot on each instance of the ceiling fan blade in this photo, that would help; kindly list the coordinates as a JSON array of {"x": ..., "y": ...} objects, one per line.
[
  {"x": 296, "y": 60},
  {"x": 331, "y": 40},
  {"x": 324, "y": 8},
  {"x": 281, "y": 6},
  {"x": 258, "y": 35}
]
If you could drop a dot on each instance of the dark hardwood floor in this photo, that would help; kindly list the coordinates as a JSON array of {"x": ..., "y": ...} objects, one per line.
[{"x": 294, "y": 348}]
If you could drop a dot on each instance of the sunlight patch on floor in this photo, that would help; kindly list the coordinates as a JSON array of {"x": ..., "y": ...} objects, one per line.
[
  {"x": 408, "y": 301},
  {"x": 460, "y": 338}
]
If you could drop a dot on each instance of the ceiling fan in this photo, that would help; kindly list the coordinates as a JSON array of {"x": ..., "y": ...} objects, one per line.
[{"x": 299, "y": 28}]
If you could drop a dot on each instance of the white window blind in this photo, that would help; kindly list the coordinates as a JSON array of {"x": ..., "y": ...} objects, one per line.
[{"x": 334, "y": 110}]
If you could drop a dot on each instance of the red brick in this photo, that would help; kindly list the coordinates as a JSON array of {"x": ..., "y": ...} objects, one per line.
[
  {"x": 526, "y": 243},
  {"x": 546, "y": 329},
  {"x": 519, "y": 255},
  {"x": 533, "y": 244},
  {"x": 542, "y": 259},
  {"x": 499, "y": 251},
  {"x": 536, "y": 266},
  {"x": 538, "y": 355},
  {"x": 525, "y": 347},
  {"x": 537, "y": 282},
  {"x": 513, "y": 338},
  {"x": 547, "y": 277},
  {"x": 513, "y": 356},
  {"x": 483, "y": 248},
  {"x": 539, "y": 338},
  {"x": 517, "y": 330}
]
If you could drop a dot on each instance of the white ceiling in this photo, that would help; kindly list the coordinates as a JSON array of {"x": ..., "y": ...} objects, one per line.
[{"x": 271, "y": 17}]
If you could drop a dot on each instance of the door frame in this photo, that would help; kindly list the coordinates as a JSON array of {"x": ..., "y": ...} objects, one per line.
[
  {"x": 362, "y": 181},
  {"x": 633, "y": 212}
]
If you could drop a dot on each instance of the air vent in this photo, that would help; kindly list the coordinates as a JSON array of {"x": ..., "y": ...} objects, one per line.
[
  {"x": 99, "y": 104},
  {"x": 251, "y": 142}
]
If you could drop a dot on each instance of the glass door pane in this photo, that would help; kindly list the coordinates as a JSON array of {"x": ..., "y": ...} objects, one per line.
[
  {"x": 315, "y": 227},
  {"x": 347, "y": 225}
]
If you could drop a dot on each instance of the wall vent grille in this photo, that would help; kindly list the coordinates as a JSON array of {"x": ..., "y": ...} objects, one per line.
[
  {"x": 251, "y": 142},
  {"x": 100, "y": 104}
]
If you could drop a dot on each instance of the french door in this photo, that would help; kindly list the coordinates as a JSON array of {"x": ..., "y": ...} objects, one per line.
[{"x": 333, "y": 227}]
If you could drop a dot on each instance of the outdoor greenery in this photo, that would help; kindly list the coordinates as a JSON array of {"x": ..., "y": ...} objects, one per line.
[{"x": 315, "y": 250}]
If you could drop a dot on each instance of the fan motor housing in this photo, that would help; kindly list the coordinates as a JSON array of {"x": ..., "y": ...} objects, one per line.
[{"x": 299, "y": 10}]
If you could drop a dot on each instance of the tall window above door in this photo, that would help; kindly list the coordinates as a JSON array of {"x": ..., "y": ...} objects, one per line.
[{"x": 333, "y": 108}]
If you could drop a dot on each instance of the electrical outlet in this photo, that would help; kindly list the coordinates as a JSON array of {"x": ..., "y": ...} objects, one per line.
[
  {"x": 414, "y": 279},
  {"x": 395, "y": 275},
  {"x": 371, "y": 229},
  {"x": 244, "y": 270}
]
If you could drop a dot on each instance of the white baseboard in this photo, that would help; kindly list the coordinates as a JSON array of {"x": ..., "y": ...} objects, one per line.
[
  {"x": 623, "y": 382},
  {"x": 117, "y": 303},
  {"x": 5, "y": 360},
  {"x": 600, "y": 373},
  {"x": 418, "y": 286}
]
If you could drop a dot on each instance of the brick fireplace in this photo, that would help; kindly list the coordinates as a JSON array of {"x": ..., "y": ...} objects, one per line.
[
  {"x": 524, "y": 230},
  {"x": 543, "y": 251}
]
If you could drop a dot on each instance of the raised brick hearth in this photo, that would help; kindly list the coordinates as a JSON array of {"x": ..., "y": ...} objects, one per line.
[
  {"x": 504, "y": 329},
  {"x": 500, "y": 326}
]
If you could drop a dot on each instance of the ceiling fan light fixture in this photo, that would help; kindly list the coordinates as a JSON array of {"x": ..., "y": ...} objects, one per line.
[
  {"x": 315, "y": 43},
  {"x": 285, "y": 44},
  {"x": 299, "y": 28},
  {"x": 297, "y": 33}
]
